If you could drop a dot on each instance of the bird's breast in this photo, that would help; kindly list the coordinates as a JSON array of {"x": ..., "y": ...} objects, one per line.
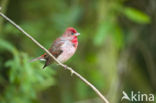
[{"x": 68, "y": 51}]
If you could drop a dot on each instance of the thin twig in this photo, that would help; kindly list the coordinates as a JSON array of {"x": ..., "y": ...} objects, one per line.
[{"x": 63, "y": 65}]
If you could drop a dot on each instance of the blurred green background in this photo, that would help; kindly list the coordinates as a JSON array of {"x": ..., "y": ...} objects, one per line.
[{"x": 116, "y": 52}]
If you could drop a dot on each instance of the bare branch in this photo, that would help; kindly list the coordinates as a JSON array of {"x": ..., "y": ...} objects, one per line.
[{"x": 63, "y": 65}]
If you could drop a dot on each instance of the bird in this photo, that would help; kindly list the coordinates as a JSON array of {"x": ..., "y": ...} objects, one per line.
[{"x": 63, "y": 48}]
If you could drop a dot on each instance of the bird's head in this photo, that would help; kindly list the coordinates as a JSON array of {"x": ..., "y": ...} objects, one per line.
[{"x": 71, "y": 32}]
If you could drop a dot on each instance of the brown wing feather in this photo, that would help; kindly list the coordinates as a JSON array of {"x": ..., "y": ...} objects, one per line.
[{"x": 55, "y": 49}]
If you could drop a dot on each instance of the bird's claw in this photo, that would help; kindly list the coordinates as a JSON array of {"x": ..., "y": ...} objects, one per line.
[
  {"x": 72, "y": 72},
  {"x": 65, "y": 67}
]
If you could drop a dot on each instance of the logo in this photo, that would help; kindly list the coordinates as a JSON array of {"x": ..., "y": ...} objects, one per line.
[{"x": 137, "y": 96}]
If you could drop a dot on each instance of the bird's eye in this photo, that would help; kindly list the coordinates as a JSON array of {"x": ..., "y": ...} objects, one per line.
[{"x": 72, "y": 33}]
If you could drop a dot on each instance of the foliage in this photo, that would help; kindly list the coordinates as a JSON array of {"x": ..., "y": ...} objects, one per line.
[
  {"x": 116, "y": 50},
  {"x": 22, "y": 80},
  {"x": 136, "y": 15}
]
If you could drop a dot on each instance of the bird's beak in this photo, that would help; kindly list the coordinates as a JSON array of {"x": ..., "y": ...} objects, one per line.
[{"x": 77, "y": 34}]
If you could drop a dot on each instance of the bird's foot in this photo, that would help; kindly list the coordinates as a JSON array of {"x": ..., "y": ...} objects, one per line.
[{"x": 65, "y": 67}]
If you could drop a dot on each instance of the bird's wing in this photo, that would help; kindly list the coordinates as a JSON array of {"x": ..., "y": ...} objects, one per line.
[{"x": 55, "y": 49}]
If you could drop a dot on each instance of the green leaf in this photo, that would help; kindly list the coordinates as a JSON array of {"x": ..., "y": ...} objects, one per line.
[
  {"x": 136, "y": 15},
  {"x": 103, "y": 31},
  {"x": 118, "y": 36},
  {"x": 6, "y": 45}
]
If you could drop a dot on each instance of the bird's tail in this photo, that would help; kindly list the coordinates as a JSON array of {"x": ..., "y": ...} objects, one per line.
[{"x": 38, "y": 58}]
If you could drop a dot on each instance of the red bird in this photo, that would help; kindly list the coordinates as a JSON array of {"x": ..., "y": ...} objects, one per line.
[{"x": 62, "y": 48}]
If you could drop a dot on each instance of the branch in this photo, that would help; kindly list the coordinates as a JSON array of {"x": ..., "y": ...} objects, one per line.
[{"x": 63, "y": 65}]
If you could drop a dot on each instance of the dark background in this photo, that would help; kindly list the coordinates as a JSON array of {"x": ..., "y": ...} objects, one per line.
[{"x": 116, "y": 52}]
